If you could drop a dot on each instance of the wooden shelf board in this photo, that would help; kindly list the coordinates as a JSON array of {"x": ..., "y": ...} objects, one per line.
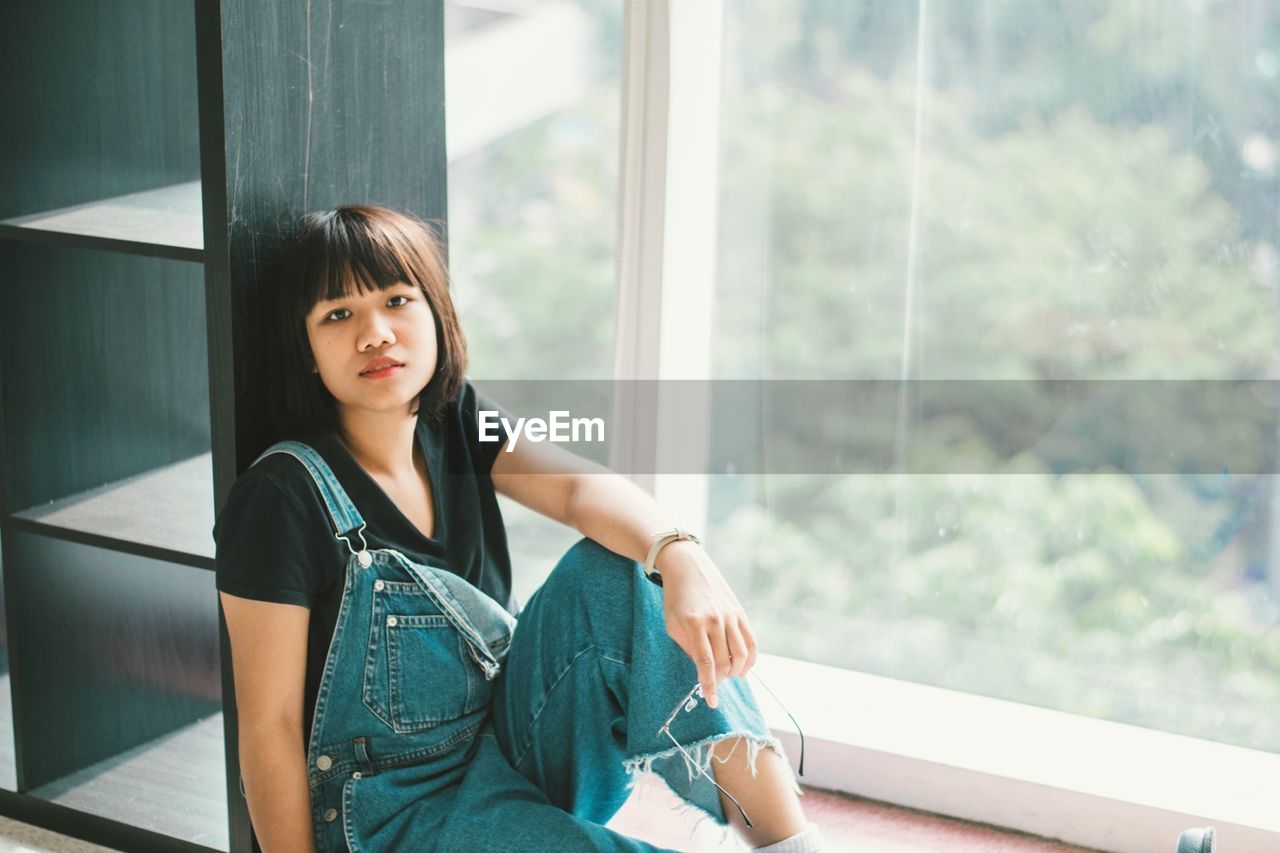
[
  {"x": 174, "y": 785},
  {"x": 164, "y": 222},
  {"x": 169, "y": 508}
]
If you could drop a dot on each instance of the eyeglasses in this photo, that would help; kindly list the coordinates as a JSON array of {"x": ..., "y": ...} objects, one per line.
[{"x": 688, "y": 703}]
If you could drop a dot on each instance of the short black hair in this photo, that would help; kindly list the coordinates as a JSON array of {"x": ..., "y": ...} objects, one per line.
[{"x": 337, "y": 253}]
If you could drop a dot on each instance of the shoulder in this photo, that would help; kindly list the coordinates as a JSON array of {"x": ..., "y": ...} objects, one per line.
[
  {"x": 269, "y": 535},
  {"x": 470, "y": 403},
  {"x": 466, "y": 401},
  {"x": 276, "y": 489},
  {"x": 482, "y": 437},
  {"x": 257, "y": 500},
  {"x": 461, "y": 414},
  {"x": 283, "y": 470}
]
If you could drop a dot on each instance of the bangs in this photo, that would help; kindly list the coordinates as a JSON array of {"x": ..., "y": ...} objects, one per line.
[{"x": 356, "y": 256}]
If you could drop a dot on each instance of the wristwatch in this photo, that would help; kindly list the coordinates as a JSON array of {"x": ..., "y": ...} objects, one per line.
[{"x": 660, "y": 541}]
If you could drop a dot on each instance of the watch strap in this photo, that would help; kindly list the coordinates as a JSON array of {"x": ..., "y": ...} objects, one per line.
[{"x": 660, "y": 541}]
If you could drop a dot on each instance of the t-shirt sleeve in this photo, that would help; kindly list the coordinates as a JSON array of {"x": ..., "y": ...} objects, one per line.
[
  {"x": 482, "y": 421},
  {"x": 266, "y": 544}
]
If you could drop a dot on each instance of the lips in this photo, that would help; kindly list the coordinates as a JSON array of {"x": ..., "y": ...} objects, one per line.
[{"x": 382, "y": 363}]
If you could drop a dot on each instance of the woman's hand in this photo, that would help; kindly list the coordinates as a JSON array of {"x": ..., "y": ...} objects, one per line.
[{"x": 704, "y": 617}]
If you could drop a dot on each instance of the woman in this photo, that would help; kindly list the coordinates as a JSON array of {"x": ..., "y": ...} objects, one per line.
[{"x": 387, "y": 696}]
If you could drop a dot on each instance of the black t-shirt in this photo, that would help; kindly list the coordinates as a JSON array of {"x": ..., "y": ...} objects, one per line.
[{"x": 275, "y": 539}]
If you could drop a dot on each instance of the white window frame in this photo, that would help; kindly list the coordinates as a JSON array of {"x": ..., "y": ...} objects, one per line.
[{"x": 1085, "y": 781}]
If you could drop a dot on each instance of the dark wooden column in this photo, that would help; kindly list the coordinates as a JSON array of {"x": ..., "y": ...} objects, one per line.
[{"x": 303, "y": 105}]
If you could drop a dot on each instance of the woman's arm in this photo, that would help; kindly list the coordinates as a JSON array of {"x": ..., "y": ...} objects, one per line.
[
  {"x": 703, "y": 615},
  {"x": 269, "y": 662}
]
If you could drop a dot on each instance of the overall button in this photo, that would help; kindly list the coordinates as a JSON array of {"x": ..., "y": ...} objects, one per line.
[
  {"x": 365, "y": 559},
  {"x": 356, "y": 775},
  {"x": 330, "y": 815},
  {"x": 379, "y": 585},
  {"x": 391, "y": 621},
  {"x": 323, "y": 763}
]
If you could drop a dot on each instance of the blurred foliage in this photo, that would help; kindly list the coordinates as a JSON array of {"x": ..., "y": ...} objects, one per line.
[
  {"x": 1081, "y": 213},
  {"x": 532, "y": 255}
]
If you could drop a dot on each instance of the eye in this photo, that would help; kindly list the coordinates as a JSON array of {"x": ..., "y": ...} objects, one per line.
[
  {"x": 329, "y": 316},
  {"x": 401, "y": 296}
]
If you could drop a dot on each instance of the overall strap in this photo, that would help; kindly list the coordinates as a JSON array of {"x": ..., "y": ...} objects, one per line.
[{"x": 346, "y": 518}]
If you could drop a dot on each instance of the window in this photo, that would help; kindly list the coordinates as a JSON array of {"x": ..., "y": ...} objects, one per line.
[
  {"x": 1003, "y": 192},
  {"x": 1026, "y": 192}
]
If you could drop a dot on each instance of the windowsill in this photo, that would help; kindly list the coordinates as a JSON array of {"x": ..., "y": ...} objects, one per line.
[{"x": 1081, "y": 780}]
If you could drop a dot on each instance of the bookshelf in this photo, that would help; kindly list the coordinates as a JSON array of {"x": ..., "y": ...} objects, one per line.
[{"x": 158, "y": 154}]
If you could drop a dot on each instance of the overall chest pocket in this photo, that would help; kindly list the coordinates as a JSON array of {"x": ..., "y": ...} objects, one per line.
[{"x": 419, "y": 672}]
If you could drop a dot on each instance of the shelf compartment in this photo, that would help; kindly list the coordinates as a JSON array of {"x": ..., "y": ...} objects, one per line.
[
  {"x": 106, "y": 107},
  {"x": 185, "y": 770},
  {"x": 164, "y": 222},
  {"x": 116, "y": 674},
  {"x": 166, "y": 512},
  {"x": 105, "y": 397}
]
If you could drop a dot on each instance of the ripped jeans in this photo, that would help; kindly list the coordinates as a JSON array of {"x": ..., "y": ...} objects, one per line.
[{"x": 590, "y": 678}]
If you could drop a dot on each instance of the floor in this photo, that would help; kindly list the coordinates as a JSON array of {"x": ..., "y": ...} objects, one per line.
[
  {"x": 654, "y": 814},
  {"x": 20, "y": 838}
]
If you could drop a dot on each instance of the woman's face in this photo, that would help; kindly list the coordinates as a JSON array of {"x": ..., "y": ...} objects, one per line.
[{"x": 351, "y": 338}]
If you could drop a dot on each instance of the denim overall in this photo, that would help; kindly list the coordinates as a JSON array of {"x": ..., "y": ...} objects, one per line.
[{"x": 442, "y": 725}]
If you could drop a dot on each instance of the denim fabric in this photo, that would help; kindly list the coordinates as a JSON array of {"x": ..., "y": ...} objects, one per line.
[{"x": 443, "y": 724}]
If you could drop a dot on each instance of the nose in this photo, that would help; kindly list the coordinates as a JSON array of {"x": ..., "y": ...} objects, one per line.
[{"x": 375, "y": 333}]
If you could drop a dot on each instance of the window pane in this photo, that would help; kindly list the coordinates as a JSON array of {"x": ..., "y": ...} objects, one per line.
[
  {"x": 1039, "y": 191},
  {"x": 533, "y": 102},
  {"x": 533, "y": 99}
]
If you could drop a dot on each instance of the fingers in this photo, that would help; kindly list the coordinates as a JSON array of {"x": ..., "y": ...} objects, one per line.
[
  {"x": 726, "y": 649},
  {"x": 721, "y": 652},
  {"x": 704, "y": 659},
  {"x": 719, "y": 644},
  {"x": 749, "y": 636},
  {"x": 739, "y": 649}
]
